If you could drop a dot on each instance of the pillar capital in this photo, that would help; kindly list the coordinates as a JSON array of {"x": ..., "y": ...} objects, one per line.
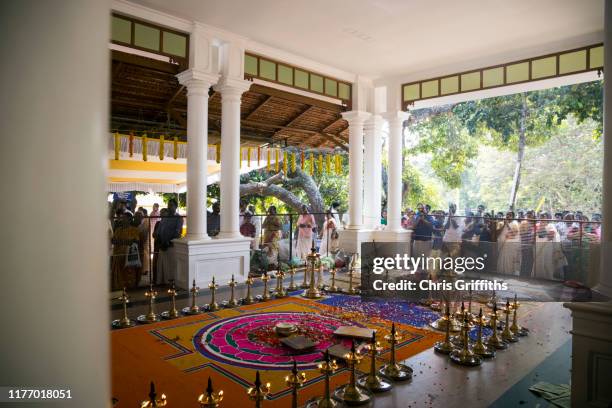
[
  {"x": 197, "y": 81},
  {"x": 373, "y": 123},
  {"x": 356, "y": 118},
  {"x": 229, "y": 87},
  {"x": 395, "y": 116}
]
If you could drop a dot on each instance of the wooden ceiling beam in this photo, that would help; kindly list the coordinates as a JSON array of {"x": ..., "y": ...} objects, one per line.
[
  {"x": 328, "y": 137},
  {"x": 297, "y": 98},
  {"x": 288, "y": 125},
  {"x": 144, "y": 62},
  {"x": 326, "y": 128},
  {"x": 259, "y": 107}
]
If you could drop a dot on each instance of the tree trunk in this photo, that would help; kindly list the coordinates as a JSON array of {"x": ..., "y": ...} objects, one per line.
[
  {"x": 265, "y": 189},
  {"x": 520, "y": 153},
  {"x": 297, "y": 179}
]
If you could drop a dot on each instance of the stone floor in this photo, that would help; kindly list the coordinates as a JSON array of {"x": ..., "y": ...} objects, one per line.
[{"x": 437, "y": 382}]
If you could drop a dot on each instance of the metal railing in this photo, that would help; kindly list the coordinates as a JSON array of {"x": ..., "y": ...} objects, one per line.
[{"x": 578, "y": 241}]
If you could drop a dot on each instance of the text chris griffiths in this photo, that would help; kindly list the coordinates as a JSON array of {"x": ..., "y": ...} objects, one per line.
[{"x": 403, "y": 285}]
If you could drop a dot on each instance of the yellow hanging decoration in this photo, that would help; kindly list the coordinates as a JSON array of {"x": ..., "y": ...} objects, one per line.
[
  {"x": 131, "y": 144},
  {"x": 293, "y": 164},
  {"x": 240, "y": 157},
  {"x": 161, "y": 147},
  {"x": 312, "y": 159},
  {"x": 117, "y": 145},
  {"x": 277, "y": 161},
  {"x": 249, "y": 151},
  {"x": 338, "y": 164},
  {"x": 285, "y": 162},
  {"x": 328, "y": 163},
  {"x": 144, "y": 141},
  {"x": 268, "y": 157},
  {"x": 218, "y": 154},
  {"x": 175, "y": 146},
  {"x": 320, "y": 164}
]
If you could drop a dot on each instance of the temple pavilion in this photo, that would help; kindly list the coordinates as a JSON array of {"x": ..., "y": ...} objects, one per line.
[{"x": 151, "y": 95}]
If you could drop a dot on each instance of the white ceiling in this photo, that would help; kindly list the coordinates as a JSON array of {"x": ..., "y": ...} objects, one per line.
[{"x": 380, "y": 38}]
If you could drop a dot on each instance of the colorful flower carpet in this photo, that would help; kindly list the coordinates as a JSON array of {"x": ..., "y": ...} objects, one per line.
[{"x": 231, "y": 344}]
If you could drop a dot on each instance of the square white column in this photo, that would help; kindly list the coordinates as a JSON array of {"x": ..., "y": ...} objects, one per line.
[
  {"x": 372, "y": 174},
  {"x": 356, "y": 121},
  {"x": 394, "y": 185}
]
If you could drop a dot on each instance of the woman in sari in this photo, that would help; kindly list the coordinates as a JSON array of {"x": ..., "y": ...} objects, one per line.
[
  {"x": 272, "y": 227},
  {"x": 125, "y": 274},
  {"x": 509, "y": 247},
  {"x": 453, "y": 229},
  {"x": 329, "y": 236},
  {"x": 306, "y": 225},
  {"x": 549, "y": 259}
]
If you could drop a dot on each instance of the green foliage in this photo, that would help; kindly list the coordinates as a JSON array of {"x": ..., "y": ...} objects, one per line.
[
  {"x": 182, "y": 198},
  {"x": 583, "y": 101},
  {"x": 497, "y": 121},
  {"x": 566, "y": 170},
  {"x": 334, "y": 187},
  {"x": 450, "y": 144},
  {"x": 452, "y": 141}
]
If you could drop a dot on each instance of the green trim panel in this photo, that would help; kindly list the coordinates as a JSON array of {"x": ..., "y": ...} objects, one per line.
[
  {"x": 146, "y": 37},
  {"x": 267, "y": 69},
  {"x": 121, "y": 30},
  {"x": 142, "y": 35},
  {"x": 583, "y": 59},
  {"x": 257, "y": 66}
]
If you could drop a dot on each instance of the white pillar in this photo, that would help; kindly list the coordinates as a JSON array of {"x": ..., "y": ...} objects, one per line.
[
  {"x": 355, "y": 120},
  {"x": 55, "y": 263},
  {"x": 605, "y": 270},
  {"x": 231, "y": 92},
  {"x": 372, "y": 189},
  {"x": 394, "y": 184},
  {"x": 197, "y": 85}
]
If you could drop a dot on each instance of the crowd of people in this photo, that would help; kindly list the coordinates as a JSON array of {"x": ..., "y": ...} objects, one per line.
[
  {"x": 524, "y": 244},
  {"x": 131, "y": 230},
  {"x": 268, "y": 232}
]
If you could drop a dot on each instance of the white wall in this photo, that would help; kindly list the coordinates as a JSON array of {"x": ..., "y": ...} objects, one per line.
[{"x": 53, "y": 125}]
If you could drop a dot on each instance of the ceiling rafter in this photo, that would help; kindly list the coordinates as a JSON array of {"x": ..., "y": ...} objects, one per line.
[
  {"x": 293, "y": 120},
  {"x": 259, "y": 107}
]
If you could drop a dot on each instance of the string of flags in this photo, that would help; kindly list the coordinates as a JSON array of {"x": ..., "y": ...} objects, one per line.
[{"x": 323, "y": 161}]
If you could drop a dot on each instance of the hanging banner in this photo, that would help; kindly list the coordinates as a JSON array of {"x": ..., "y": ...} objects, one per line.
[
  {"x": 161, "y": 147},
  {"x": 249, "y": 149},
  {"x": 277, "y": 166},
  {"x": 258, "y": 155},
  {"x": 312, "y": 160},
  {"x": 285, "y": 162},
  {"x": 218, "y": 154},
  {"x": 328, "y": 163},
  {"x": 117, "y": 145},
  {"x": 131, "y": 144},
  {"x": 144, "y": 147},
  {"x": 320, "y": 163},
  {"x": 338, "y": 164},
  {"x": 302, "y": 157},
  {"x": 175, "y": 146}
]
